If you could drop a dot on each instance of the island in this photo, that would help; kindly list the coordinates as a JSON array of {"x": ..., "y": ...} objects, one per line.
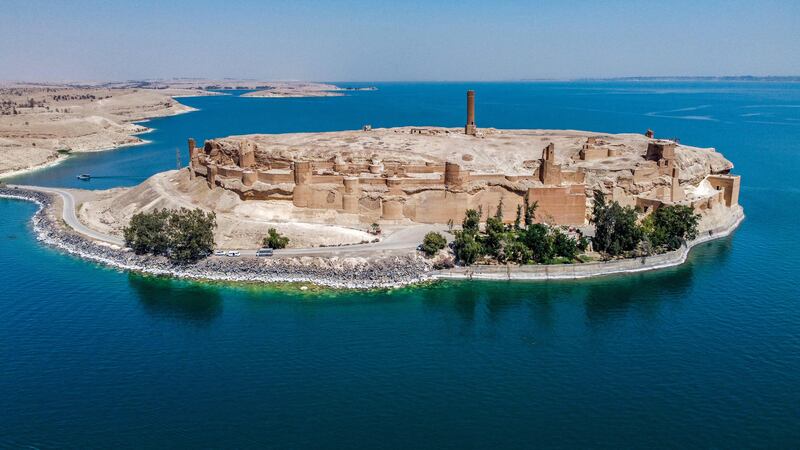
[{"x": 353, "y": 207}]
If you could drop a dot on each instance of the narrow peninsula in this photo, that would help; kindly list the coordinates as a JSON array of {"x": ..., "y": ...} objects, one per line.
[{"x": 391, "y": 206}]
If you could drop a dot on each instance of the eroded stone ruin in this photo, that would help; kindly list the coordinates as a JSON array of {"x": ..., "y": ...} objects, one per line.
[{"x": 433, "y": 175}]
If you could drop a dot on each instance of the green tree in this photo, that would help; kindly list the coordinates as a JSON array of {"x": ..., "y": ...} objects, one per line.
[
  {"x": 516, "y": 251},
  {"x": 518, "y": 219},
  {"x": 191, "y": 234},
  {"x": 183, "y": 235},
  {"x": 147, "y": 232},
  {"x": 471, "y": 222},
  {"x": 539, "y": 242},
  {"x": 529, "y": 209},
  {"x": 499, "y": 213},
  {"x": 466, "y": 247},
  {"x": 493, "y": 240},
  {"x": 563, "y": 245},
  {"x": 669, "y": 226},
  {"x": 432, "y": 243},
  {"x": 275, "y": 240},
  {"x": 616, "y": 230}
]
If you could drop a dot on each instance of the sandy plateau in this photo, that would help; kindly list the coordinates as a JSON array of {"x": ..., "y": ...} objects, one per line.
[
  {"x": 40, "y": 124},
  {"x": 511, "y": 152}
]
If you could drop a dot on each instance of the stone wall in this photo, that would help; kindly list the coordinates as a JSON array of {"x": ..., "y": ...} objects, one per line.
[
  {"x": 561, "y": 205},
  {"x": 433, "y": 192},
  {"x": 729, "y": 184},
  {"x": 430, "y": 193}
]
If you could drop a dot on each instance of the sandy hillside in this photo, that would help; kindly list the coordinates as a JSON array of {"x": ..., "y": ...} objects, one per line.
[
  {"x": 240, "y": 224},
  {"x": 36, "y": 122}
]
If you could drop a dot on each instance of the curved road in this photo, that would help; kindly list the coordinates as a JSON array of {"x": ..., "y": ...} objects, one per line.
[
  {"x": 71, "y": 219},
  {"x": 401, "y": 241}
]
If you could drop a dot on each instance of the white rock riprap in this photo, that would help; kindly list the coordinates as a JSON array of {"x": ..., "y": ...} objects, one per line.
[{"x": 350, "y": 273}]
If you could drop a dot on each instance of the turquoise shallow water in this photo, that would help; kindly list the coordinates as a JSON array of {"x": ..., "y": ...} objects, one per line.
[{"x": 706, "y": 354}]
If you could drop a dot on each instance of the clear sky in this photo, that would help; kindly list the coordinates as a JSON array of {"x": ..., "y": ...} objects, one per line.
[{"x": 396, "y": 40}]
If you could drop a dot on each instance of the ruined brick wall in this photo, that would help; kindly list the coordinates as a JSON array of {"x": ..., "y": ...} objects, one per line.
[
  {"x": 729, "y": 184},
  {"x": 562, "y": 205},
  {"x": 378, "y": 191}
]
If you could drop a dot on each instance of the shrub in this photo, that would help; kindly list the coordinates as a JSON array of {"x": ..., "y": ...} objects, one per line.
[
  {"x": 583, "y": 243},
  {"x": 432, "y": 243},
  {"x": 275, "y": 240}
]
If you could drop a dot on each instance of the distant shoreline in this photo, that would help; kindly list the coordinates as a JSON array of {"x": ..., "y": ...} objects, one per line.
[
  {"x": 63, "y": 157},
  {"x": 743, "y": 78}
]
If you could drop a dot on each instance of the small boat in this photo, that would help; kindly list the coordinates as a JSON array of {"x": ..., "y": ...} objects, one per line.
[{"x": 85, "y": 177}]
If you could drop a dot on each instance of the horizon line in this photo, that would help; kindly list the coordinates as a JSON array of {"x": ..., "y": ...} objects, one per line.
[{"x": 498, "y": 80}]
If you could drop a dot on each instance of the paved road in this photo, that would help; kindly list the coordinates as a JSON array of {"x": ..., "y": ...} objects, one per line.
[
  {"x": 69, "y": 216},
  {"x": 400, "y": 241}
]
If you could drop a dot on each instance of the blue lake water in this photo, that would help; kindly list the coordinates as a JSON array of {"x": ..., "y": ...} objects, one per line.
[{"x": 703, "y": 355}]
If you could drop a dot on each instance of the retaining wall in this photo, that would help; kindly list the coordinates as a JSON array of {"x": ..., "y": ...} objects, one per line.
[{"x": 574, "y": 271}]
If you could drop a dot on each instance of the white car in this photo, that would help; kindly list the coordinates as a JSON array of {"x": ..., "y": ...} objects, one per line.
[
  {"x": 219, "y": 253},
  {"x": 233, "y": 253}
]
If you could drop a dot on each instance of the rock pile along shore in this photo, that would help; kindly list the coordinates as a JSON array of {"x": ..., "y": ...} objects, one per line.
[{"x": 350, "y": 273}]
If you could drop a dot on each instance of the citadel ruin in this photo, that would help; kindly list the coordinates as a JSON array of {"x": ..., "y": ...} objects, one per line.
[{"x": 434, "y": 174}]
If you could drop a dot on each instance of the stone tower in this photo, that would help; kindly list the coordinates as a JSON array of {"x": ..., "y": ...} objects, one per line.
[
  {"x": 192, "y": 157},
  {"x": 301, "y": 195},
  {"x": 676, "y": 193},
  {"x": 470, "y": 128},
  {"x": 549, "y": 171}
]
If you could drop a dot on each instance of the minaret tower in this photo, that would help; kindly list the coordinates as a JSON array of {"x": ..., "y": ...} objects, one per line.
[{"x": 470, "y": 128}]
